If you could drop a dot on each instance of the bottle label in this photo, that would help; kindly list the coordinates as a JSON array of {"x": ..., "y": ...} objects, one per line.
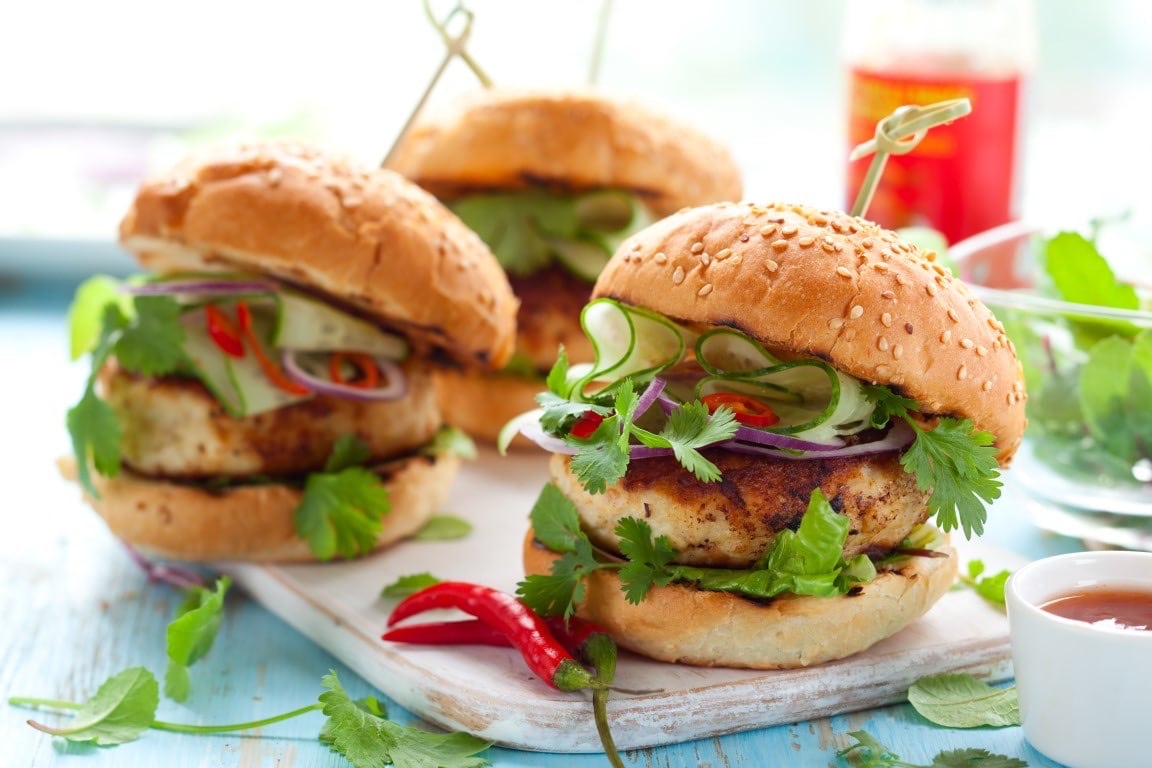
[{"x": 960, "y": 179}]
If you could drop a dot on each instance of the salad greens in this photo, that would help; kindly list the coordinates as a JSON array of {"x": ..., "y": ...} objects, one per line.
[
  {"x": 527, "y": 231},
  {"x": 1089, "y": 379},
  {"x": 807, "y": 561}
]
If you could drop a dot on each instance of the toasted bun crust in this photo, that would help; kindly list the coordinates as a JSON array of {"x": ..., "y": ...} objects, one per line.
[
  {"x": 482, "y": 402},
  {"x": 684, "y": 625},
  {"x": 505, "y": 139},
  {"x": 368, "y": 239},
  {"x": 251, "y": 523},
  {"x": 816, "y": 283}
]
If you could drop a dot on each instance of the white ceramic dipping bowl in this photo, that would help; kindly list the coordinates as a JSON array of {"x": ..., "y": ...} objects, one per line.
[{"x": 1085, "y": 689}]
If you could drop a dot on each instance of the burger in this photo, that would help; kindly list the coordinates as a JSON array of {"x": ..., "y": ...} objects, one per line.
[
  {"x": 788, "y": 413},
  {"x": 553, "y": 182},
  {"x": 264, "y": 391}
]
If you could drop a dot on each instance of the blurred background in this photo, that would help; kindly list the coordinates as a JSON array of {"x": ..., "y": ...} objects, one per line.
[{"x": 94, "y": 95}]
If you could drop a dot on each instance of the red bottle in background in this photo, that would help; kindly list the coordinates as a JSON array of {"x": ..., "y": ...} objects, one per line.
[{"x": 962, "y": 179}]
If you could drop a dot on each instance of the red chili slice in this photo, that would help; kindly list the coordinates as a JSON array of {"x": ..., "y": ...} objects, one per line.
[
  {"x": 368, "y": 374},
  {"x": 271, "y": 370},
  {"x": 588, "y": 423},
  {"x": 747, "y": 409},
  {"x": 223, "y": 332}
]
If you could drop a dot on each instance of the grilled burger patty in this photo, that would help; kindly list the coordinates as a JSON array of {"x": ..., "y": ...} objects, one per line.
[
  {"x": 731, "y": 522},
  {"x": 174, "y": 428}
]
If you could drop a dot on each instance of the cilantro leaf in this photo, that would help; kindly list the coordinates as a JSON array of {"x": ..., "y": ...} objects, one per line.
[
  {"x": 443, "y": 528},
  {"x": 154, "y": 343},
  {"x": 887, "y": 404},
  {"x": 122, "y": 709},
  {"x": 991, "y": 588},
  {"x": 409, "y": 584},
  {"x": 95, "y": 434},
  {"x": 604, "y": 459},
  {"x": 191, "y": 634},
  {"x": 868, "y": 752},
  {"x": 962, "y": 701},
  {"x": 689, "y": 428},
  {"x": 369, "y": 741},
  {"x": 647, "y": 558},
  {"x": 556, "y": 524},
  {"x": 957, "y": 465},
  {"x": 88, "y": 313},
  {"x": 340, "y": 513},
  {"x": 555, "y": 520},
  {"x": 450, "y": 440},
  {"x": 557, "y": 379},
  {"x": 347, "y": 451}
]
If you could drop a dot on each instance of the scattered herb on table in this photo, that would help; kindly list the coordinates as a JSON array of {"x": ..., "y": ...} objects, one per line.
[
  {"x": 867, "y": 752},
  {"x": 191, "y": 634},
  {"x": 991, "y": 588},
  {"x": 443, "y": 528},
  {"x": 962, "y": 701},
  {"x": 124, "y": 707}
]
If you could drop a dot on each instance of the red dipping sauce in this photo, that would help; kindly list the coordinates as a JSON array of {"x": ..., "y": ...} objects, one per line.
[{"x": 1129, "y": 608}]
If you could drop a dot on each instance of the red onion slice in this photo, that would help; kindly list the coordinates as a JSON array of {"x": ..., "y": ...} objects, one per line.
[
  {"x": 765, "y": 437},
  {"x": 530, "y": 428},
  {"x": 201, "y": 287},
  {"x": 395, "y": 382},
  {"x": 650, "y": 395},
  {"x": 898, "y": 437}
]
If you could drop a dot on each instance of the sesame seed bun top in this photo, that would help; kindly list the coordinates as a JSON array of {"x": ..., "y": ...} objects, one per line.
[
  {"x": 503, "y": 139},
  {"x": 366, "y": 238},
  {"x": 807, "y": 282}
]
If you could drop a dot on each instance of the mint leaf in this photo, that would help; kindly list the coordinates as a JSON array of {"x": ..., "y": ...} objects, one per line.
[
  {"x": 1081, "y": 275},
  {"x": 191, "y": 634},
  {"x": 958, "y": 466},
  {"x": 369, "y": 741},
  {"x": 443, "y": 528},
  {"x": 991, "y": 588},
  {"x": 341, "y": 513},
  {"x": 409, "y": 584},
  {"x": 121, "y": 710},
  {"x": 962, "y": 701}
]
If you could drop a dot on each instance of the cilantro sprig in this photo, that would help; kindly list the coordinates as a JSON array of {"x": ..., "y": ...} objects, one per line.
[
  {"x": 342, "y": 509},
  {"x": 807, "y": 561},
  {"x": 191, "y": 635},
  {"x": 868, "y": 752},
  {"x": 125, "y": 705}
]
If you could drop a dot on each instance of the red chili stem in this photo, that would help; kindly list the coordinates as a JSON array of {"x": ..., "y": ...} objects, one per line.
[{"x": 527, "y": 631}]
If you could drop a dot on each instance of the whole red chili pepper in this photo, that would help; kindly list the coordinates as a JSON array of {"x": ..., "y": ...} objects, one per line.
[
  {"x": 573, "y": 633},
  {"x": 525, "y": 630}
]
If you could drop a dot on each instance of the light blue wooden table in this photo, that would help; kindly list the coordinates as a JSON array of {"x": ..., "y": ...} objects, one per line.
[{"x": 74, "y": 610}]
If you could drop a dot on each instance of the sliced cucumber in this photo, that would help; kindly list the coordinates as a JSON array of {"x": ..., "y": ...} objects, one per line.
[
  {"x": 609, "y": 210},
  {"x": 628, "y": 342},
  {"x": 583, "y": 258},
  {"x": 728, "y": 353},
  {"x": 239, "y": 384},
  {"x": 312, "y": 326}
]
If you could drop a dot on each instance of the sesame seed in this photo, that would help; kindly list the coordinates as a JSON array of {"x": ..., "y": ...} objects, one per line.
[
  {"x": 843, "y": 271},
  {"x": 744, "y": 238},
  {"x": 931, "y": 289},
  {"x": 952, "y": 315},
  {"x": 768, "y": 230},
  {"x": 901, "y": 280},
  {"x": 945, "y": 337},
  {"x": 856, "y": 312},
  {"x": 788, "y": 230},
  {"x": 806, "y": 241},
  {"x": 967, "y": 343},
  {"x": 828, "y": 244},
  {"x": 835, "y": 323},
  {"x": 705, "y": 258},
  {"x": 819, "y": 220},
  {"x": 678, "y": 275},
  {"x": 962, "y": 372},
  {"x": 898, "y": 351},
  {"x": 882, "y": 369},
  {"x": 738, "y": 258},
  {"x": 722, "y": 254},
  {"x": 697, "y": 247},
  {"x": 275, "y": 176},
  {"x": 637, "y": 246},
  {"x": 987, "y": 385},
  {"x": 890, "y": 295},
  {"x": 882, "y": 344},
  {"x": 849, "y": 334},
  {"x": 704, "y": 289},
  {"x": 879, "y": 266},
  {"x": 908, "y": 328},
  {"x": 886, "y": 319},
  {"x": 771, "y": 265},
  {"x": 660, "y": 257},
  {"x": 867, "y": 242},
  {"x": 780, "y": 245},
  {"x": 981, "y": 350},
  {"x": 1009, "y": 398}
]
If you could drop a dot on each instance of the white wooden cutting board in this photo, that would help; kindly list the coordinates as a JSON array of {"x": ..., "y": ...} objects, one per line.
[{"x": 489, "y": 692}]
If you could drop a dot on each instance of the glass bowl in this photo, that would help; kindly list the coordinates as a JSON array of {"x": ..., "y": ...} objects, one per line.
[{"x": 1085, "y": 465}]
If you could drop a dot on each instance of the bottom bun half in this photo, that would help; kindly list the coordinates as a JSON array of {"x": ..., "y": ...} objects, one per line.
[
  {"x": 480, "y": 403},
  {"x": 684, "y": 625},
  {"x": 252, "y": 523}
]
